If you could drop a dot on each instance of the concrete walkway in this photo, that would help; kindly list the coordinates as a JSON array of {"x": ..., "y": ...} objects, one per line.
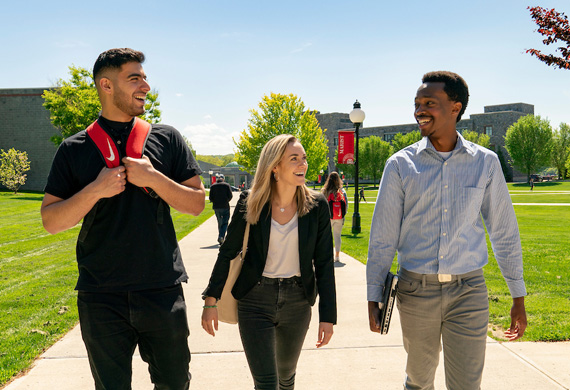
[{"x": 355, "y": 359}]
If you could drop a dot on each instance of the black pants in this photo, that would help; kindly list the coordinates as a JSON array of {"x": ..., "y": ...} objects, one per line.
[
  {"x": 273, "y": 320},
  {"x": 113, "y": 324}
]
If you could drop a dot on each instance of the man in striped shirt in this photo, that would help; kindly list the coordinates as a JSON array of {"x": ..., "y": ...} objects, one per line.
[{"x": 429, "y": 207}]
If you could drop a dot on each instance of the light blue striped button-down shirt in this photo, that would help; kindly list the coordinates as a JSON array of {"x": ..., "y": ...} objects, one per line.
[{"x": 429, "y": 210}]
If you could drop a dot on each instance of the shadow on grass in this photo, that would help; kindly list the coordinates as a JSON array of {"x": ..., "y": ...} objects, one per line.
[{"x": 538, "y": 185}]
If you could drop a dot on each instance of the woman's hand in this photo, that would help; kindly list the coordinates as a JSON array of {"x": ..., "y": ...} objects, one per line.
[
  {"x": 325, "y": 333},
  {"x": 210, "y": 316}
]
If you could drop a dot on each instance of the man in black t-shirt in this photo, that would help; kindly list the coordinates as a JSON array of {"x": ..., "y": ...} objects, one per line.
[
  {"x": 130, "y": 267},
  {"x": 220, "y": 196}
]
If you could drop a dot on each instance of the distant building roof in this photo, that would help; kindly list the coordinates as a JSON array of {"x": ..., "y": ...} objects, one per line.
[{"x": 234, "y": 164}]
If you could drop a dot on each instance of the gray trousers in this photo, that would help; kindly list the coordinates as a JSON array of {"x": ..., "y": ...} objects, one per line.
[{"x": 455, "y": 314}]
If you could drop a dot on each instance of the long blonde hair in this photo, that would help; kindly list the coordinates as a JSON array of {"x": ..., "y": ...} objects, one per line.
[{"x": 264, "y": 184}]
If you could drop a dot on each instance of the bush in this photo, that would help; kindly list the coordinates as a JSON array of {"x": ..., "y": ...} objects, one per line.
[{"x": 13, "y": 165}]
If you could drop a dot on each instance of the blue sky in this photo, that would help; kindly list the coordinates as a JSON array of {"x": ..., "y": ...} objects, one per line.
[{"x": 212, "y": 61}]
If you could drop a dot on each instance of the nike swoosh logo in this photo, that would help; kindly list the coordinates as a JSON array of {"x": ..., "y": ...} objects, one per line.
[{"x": 112, "y": 156}]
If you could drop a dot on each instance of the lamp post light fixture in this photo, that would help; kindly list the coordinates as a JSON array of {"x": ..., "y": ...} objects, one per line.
[{"x": 357, "y": 117}]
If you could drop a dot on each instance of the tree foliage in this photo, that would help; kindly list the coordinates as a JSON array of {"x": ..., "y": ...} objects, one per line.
[
  {"x": 13, "y": 167},
  {"x": 561, "y": 149},
  {"x": 529, "y": 142},
  {"x": 189, "y": 145},
  {"x": 372, "y": 154},
  {"x": 74, "y": 104},
  {"x": 400, "y": 141},
  {"x": 554, "y": 26},
  {"x": 283, "y": 114},
  {"x": 477, "y": 138}
]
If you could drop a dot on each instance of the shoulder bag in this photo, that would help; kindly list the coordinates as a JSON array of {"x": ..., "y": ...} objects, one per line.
[{"x": 227, "y": 304}]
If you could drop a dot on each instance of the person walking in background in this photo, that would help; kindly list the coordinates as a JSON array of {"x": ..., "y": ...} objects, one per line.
[
  {"x": 289, "y": 261},
  {"x": 130, "y": 267},
  {"x": 531, "y": 184},
  {"x": 220, "y": 196},
  {"x": 338, "y": 207},
  {"x": 361, "y": 193},
  {"x": 429, "y": 206}
]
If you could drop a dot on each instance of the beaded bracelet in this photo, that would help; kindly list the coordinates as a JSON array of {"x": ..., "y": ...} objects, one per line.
[{"x": 209, "y": 307}]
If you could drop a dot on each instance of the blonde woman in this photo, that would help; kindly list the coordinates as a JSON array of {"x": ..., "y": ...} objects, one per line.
[
  {"x": 338, "y": 206},
  {"x": 288, "y": 262}
]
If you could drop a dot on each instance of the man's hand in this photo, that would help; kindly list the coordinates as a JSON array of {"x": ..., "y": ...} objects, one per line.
[
  {"x": 110, "y": 182},
  {"x": 374, "y": 316},
  {"x": 140, "y": 171},
  {"x": 518, "y": 320}
]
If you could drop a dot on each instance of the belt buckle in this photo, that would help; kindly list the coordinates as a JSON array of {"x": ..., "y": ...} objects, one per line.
[{"x": 444, "y": 278}]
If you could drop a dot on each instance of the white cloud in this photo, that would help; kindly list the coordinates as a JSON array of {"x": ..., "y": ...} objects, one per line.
[
  {"x": 207, "y": 117},
  {"x": 209, "y": 138},
  {"x": 303, "y": 47},
  {"x": 179, "y": 95}
]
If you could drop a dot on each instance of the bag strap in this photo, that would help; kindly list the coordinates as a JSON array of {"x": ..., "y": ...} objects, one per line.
[{"x": 245, "y": 238}]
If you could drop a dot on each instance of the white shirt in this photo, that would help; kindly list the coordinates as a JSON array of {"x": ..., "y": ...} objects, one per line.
[{"x": 283, "y": 253}]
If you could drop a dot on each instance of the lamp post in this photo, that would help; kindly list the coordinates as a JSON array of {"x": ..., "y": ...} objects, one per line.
[{"x": 357, "y": 117}]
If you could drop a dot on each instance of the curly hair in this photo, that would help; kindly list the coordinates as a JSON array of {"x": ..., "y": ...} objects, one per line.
[{"x": 454, "y": 86}]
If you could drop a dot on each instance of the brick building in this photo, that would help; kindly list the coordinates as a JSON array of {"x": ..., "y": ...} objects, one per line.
[
  {"x": 25, "y": 126},
  {"x": 494, "y": 121}
]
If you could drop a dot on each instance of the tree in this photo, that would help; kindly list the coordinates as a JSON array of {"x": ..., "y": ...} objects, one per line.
[
  {"x": 283, "y": 114},
  {"x": 554, "y": 26},
  {"x": 228, "y": 158},
  {"x": 373, "y": 153},
  {"x": 529, "y": 142},
  {"x": 561, "y": 149},
  {"x": 477, "y": 138},
  {"x": 400, "y": 141},
  {"x": 74, "y": 104},
  {"x": 13, "y": 165},
  {"x": 189, "y": 145},
  {"x": 210, "y": 159}
]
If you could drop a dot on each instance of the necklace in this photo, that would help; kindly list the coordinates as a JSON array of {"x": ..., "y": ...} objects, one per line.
[{"x": 282, "y": 209}]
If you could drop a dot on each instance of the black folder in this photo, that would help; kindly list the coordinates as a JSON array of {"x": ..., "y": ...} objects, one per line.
[{"x": 388, "y": 299}]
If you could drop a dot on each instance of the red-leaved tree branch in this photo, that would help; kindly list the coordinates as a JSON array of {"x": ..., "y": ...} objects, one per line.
[{"x": 555, "y": 27}]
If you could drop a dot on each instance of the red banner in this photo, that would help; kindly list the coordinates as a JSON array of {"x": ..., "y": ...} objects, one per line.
[{"x": 346, "y": 147}]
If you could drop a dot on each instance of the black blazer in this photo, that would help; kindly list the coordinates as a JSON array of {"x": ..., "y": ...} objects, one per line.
[{"x": 315, "y": 256}]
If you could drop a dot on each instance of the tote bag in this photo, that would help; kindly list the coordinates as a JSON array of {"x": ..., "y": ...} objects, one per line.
[{"x": 227, "y": 304}]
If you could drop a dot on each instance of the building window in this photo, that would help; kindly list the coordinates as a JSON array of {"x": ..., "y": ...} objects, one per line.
[
  {"x": 388, "y": 137},
  {"x": 335, "y": 141},
  {"x": 489, "y": 130}
]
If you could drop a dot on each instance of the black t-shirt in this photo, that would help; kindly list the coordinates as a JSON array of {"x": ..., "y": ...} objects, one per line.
[{"x": 126, "y": 248}]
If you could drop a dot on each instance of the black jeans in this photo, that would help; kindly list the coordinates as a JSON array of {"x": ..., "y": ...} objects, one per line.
[
  {"x": 223, "y": 217},
  {"x": 113, "y": 324},
  {"x": 273, "y": 321}
]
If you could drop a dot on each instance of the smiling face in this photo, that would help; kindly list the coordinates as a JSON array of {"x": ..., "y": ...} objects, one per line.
[
  {"x": 125, "y": 91},
  {"x": 435, "y": 113},
  {"x": 293, "y": 166}
]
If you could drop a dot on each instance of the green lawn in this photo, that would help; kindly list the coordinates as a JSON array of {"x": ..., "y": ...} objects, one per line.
[
  {"x": 545, "y": 242},
  {"x": 37, "y": 279}
]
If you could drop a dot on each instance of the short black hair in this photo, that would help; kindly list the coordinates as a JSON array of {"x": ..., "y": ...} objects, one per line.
[
  {"x": 455, "y": 87},
  {"x": 115, "y": 58}
]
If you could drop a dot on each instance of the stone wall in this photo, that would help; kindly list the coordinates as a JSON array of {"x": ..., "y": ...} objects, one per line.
[{"x": 25, "y": 126}]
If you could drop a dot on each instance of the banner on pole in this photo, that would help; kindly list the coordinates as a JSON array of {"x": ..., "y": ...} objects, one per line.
[{"x": 346, "y": 147}]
